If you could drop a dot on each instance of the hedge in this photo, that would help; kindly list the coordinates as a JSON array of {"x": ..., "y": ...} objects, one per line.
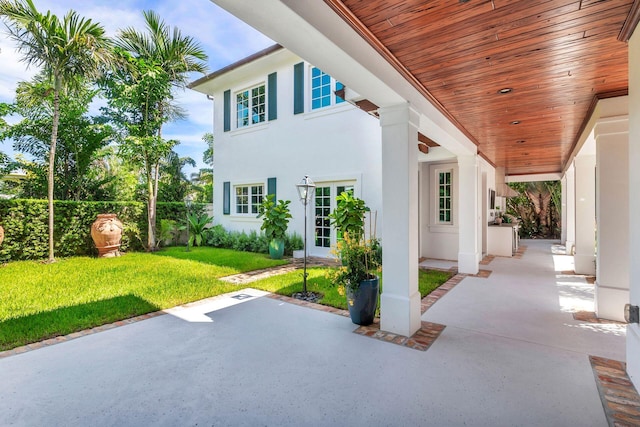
[{"x": 25, "y": 224}]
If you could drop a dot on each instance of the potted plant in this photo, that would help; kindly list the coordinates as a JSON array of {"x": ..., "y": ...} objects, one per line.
[
  {"x": 361, "y": 260},
  {"x": 274, "y": 224},
  {"x": 348, "y": 216}
]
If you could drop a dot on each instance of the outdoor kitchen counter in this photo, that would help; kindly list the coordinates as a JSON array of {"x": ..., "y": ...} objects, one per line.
[{"x": 503, "y": 239}]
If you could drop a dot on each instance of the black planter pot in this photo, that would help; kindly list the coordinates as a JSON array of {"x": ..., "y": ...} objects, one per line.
[{"x": 363, "y": 302}]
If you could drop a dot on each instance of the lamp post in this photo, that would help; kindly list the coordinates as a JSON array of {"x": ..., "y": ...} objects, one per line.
[
  {"x": 187, "y": 203},
  {"x": 306, "y": 189}
]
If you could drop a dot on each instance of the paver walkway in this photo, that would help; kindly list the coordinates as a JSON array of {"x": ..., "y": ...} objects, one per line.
[{"x": 511, "y": 354}]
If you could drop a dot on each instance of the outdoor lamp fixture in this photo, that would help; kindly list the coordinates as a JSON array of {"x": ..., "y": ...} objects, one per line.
[
  {"x": 305, "y": 192},
  {"x": 187, "y": 203},
  {"x": 631, "y": 313}
]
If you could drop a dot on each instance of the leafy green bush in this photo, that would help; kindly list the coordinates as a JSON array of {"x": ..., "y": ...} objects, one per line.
[
  {"x": 218, "y": 237},
  {"x": 25, "y": 224},
  {"x": 198, "y": 226},
  {"x": 275, "y": 217}
]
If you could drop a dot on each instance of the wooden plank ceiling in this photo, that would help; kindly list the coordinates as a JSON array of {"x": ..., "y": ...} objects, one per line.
[{"x": 557, "y": 58}]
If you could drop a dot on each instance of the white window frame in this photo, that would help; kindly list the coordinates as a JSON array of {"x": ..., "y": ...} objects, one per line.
[
  {"x": 252, "y": 206},
  {"x": 250, "y": 106},
  {"x": 443, "y": 198},
  {"x": 333, "y": 86},
  {"x": 435, "y": 226}
]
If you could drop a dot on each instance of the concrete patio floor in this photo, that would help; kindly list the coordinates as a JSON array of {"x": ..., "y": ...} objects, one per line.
[{"x": 511, "y": 354}]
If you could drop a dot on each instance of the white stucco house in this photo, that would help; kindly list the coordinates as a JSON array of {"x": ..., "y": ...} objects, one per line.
[
  {"x": 278, "y": 118},
  {"x": 439, "y": 73}
]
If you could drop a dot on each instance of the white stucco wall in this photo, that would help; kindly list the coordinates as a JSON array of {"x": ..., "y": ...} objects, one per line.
[
  {"x": 336, "y": 143},
  {"x": 441, "y": 241}
]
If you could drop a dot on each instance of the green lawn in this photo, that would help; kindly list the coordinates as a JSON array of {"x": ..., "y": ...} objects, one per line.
[
  {"x": 40, "y": 301},
  {"x": 287, "y": 284}
]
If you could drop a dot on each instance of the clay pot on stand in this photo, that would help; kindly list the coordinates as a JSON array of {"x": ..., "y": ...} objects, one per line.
[{"x": 106, "y": 233}]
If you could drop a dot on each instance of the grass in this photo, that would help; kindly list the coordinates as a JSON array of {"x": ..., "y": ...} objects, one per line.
[
  {"x": 40, "y": 301},
  {"x": 289, "y": 283}
]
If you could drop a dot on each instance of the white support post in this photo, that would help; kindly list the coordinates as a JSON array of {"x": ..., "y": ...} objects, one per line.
[
  {"x": 570, "y": 225},
  {"x": 585, "y": 253},
  {"x": 400, "y": 300},
  {"x": 633, "y": 330},
  {"x": 467, "y": 194},
  {"x": 612, "y": 217}
]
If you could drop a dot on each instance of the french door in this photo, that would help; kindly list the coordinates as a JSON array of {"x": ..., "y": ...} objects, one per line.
[{"x": 325, "y": 203}]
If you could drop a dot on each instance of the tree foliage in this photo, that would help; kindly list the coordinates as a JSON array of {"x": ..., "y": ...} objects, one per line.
[
  {"x": 67, "y": 50},
  {"x": 174, "y": 184},
  {"x": 80, "y": 140},
  {"x": 537, "y": 207},
  {"x": 152, "y": 64},
  {"x": 202, "y": 181}
]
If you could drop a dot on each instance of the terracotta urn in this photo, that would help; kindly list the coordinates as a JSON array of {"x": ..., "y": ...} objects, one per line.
[
  {"x": 106, "y": 233},
  {"x": 1, "y": 234}
]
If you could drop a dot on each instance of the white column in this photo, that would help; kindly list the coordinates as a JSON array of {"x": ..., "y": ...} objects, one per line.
[
  {"x": 633, "y": 331},
  {"x": 563, "y": 208},
  {"x": 468, "y": 255},
  {"x": 400, "y": 300},
  {"x": 570, "y": 225},
  {"x": 585, "y": 253},
  {"x": 612, "y": 217}
]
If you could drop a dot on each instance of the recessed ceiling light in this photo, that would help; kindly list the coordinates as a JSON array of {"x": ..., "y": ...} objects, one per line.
[
  {"x": 515, "y": 122},
  {"x": 505, "y": 90}
]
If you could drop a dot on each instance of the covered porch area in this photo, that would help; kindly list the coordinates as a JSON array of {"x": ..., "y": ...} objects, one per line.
[
  {"x": 512, "y": 351},
  {"x": 513, "y": 84}
]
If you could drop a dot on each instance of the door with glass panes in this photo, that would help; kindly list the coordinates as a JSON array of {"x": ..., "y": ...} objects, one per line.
[{"x": 325, "y": 203}]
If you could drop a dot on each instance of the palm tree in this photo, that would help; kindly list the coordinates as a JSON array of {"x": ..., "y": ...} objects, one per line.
[
  {"x": 67, "y": 50},
  {"x": 174, "y": 184},
  {"x": 177, "y": 56}
]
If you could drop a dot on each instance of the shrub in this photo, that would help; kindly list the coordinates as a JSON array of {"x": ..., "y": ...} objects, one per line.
[
  {"x": 26, "y": 226},
  {"x": 218, "y": 237},
  {"x": 198, "y": 226},
  {"x": 275, "y": 217}
]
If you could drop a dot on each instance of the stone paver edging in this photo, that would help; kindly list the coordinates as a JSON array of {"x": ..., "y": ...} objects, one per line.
[{"x": 620, "y": 399}]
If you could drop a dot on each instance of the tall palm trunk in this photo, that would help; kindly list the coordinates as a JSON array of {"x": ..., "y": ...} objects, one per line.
[{"x": 52, "y": 158}]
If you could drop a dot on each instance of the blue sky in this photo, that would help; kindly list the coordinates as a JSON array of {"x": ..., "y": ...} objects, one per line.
[{"x": 224, "y": 38}]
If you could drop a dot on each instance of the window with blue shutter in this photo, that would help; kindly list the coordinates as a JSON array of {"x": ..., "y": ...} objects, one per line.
[
  {"x": 226, "y": 198},
  {"x": 271, "y": 187},
  {"x": 272, "y": 93},
  {"x": 227, "y": 110},
  {"x": 298, "y": 88}
]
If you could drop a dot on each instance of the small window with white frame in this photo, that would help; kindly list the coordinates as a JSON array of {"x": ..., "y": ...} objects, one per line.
[
  {"x": 322, "y": 89},
  {"x": 248, "y": 198},
  {"x": 444, "y": 206},
  {"x": 251, "y": 106}
]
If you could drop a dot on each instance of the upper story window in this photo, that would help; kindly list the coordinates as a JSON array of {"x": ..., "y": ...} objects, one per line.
[
  {"x": 250, "y": 106},
  {"x": 248, "y": 198},
  {"x": 444, "y": 197},
  {"x": 322, "y": 89}
]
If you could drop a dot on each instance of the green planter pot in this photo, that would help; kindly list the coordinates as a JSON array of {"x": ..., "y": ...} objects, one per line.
[
  {"x": 276, "y": 248},
  {"x": 363, "y": 302}
]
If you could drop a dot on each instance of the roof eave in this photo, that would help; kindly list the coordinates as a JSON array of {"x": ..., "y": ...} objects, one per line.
[{"x": 235, "y": 65}]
